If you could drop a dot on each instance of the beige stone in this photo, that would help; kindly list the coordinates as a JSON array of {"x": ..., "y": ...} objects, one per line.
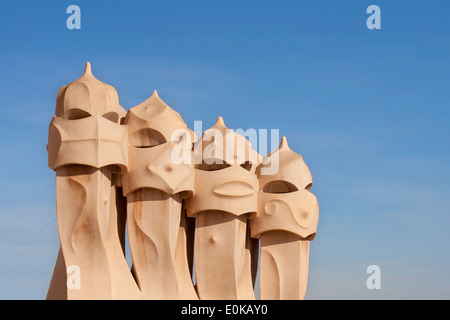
[
  {"x": 86, "y": 146},
  {"x": 286, "y": 221},
  {"x": 224, "y": 199},
  {"x": 155, "y": 187},
  {"x": 206, "y": 206}
]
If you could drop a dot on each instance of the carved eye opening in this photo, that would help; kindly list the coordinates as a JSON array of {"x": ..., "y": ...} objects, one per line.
[
  {"x": 212, "y": 167},
  {"x": 247, "y": 165},
  {"x": 310, "y": 237},
  {"x": 146, "y": 138},
  {"x": 279, "y": 186},
  {"x": 76, "y": 114},
  {"x": 112, "y": 116}
]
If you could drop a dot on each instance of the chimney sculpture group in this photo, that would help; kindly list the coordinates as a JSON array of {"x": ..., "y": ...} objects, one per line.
[{"x": 195, "y": 209}]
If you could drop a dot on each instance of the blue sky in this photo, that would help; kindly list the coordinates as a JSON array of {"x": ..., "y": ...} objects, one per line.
[{"x": 367, "y": 109}]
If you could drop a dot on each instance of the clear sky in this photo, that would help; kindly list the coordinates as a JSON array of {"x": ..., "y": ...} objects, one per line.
[{"x": 367, "y": 109}]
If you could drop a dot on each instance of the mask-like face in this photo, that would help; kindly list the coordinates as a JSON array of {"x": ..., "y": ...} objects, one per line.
[
  {"x": 86, "y": 97},
  {"x": 295, "y": 211},
  {"x": 225, "y": 180},
  {"x": 86, "y": 128},
  {"x": 154, "y": 148},
  {"x": 93, "y": 141},
  {"x": 284, "y": 200}
]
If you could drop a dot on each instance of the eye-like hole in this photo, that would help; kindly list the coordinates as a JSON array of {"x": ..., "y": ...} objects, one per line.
[
  {"x": 75, "y": 114},
  {"x": 112, "y": 116},
  {"x": 147, "y": 138},
  {"x": 115, "y": 169},
  {"x": 247, "y": 165},
  {"x": 212, "y": 167},
  {"x": 279, "y": 186},
  {"x": 308, "y": 187},
  {"x": 310, "y": 237}
]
